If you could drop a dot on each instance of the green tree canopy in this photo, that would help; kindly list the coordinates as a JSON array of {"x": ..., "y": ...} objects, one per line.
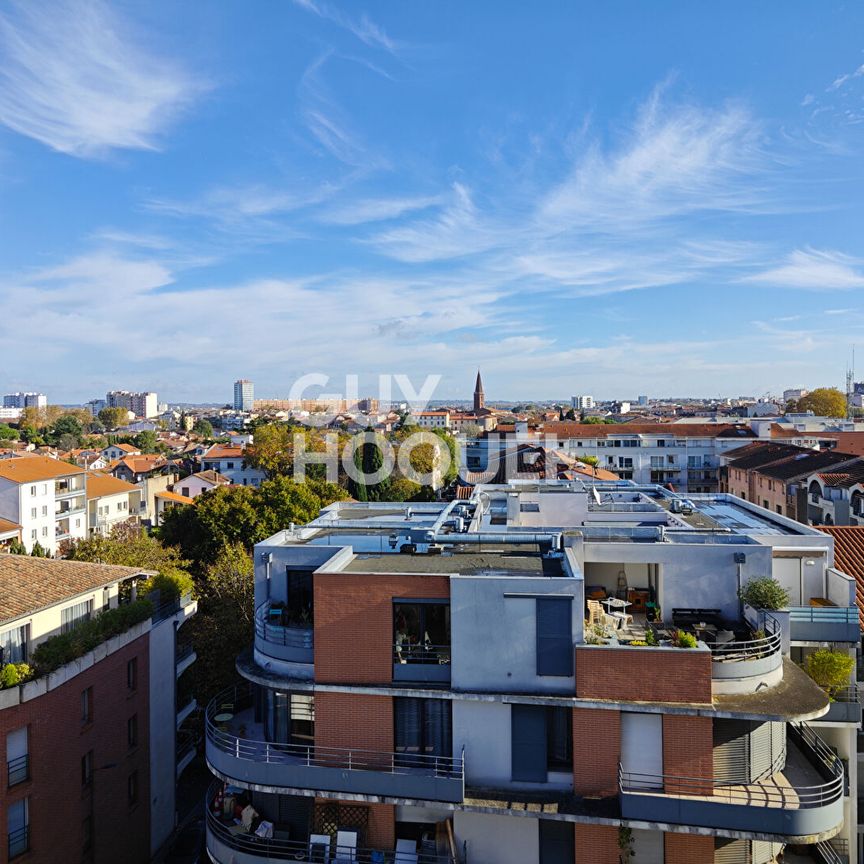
[
  {"x": 7, "y": 433},
  {"x": 112, "y": 418},
  {"x": 146, "y": 441},
  {"x": 824, "y": 402},
  {"x": 203, "y": 428}
]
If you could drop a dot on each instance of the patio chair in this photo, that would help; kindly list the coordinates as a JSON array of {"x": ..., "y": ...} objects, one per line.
[
  {"x": 346, "y": 847},
  {"x": 406, "y": 852},
  {"x": 319, "y": 848}
]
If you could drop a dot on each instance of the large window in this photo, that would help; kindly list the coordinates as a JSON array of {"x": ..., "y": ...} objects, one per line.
[
  {"x": 72, "y": 616},
  {"x": 13, "y": 645},
  {"x": 421, "y": 631},
  {"x": 18, "y": 827},
  {"x": 289, "y": 718},
  {"x": 423, "y": 727},
  {"x": 17, "y": 756},
  {"x": 298, "y": 606}
]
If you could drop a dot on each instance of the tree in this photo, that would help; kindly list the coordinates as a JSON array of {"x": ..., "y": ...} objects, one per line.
[
  {"x": 273, "y": 449},
  {"x": 38, "y": 551},
  {"x": 203, "y": 428},
  {"x": 146, "y": 441},
  {"x": 7, "y": 433},
  {"x": 16, "y": 547},
  {"x": 824, "y": 402},
  {"x": 67, "y": 442},
  {"x": 830, "y": 669},
  {"x": 111, "y": 418}
]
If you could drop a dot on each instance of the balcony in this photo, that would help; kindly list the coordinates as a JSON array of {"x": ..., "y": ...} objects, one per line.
[
  {"x": 845, "y": 706},
  {"x": 280, "y": 640},
  {"x": 824, "y": 623},
  {"x": 225, "y": 846},
  {"x": 801, "y": 803},
  {"x": 744, "y": 664},
  {"x": 18, "y": 770},
  {"x": 184, "y": 657},
  {"x": 18, "y": 841},
  {"x": 65, "y": 488},
  {"x": 238, "y": 751},
  {"x": 422, "y": 664},
  {"x": 186, "y": 751}
]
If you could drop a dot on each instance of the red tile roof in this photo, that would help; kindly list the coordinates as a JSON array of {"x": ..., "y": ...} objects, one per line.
[
  {"x": 849, "y": 556},
  {"x": 569, "y": 429},
  {"x": 29, "y": 469}
]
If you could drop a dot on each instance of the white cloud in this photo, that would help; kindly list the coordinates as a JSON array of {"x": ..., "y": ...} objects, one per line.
[
  {"x": 376, "y": 209},
  {"x": 74, "y": 76},
  {"x": 813, "y": 269},
  {"x": 840, "y": 80},
  {"x": 365, "y": 29}
]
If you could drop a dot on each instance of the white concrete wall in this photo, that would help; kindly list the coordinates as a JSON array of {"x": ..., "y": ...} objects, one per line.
[
  {"x": 497, "y": 839},
  {"x": 494, "y": 638},
  {"x": 483, "y": 729}
]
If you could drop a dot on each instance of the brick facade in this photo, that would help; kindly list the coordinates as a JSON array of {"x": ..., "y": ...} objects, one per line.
[
  {"x": 643, "y": 674},
  {"x": 688, "y": 849},
  {"x": 354, "y": 720},
  {"x": 354, "y": 623},
  {"x": 596, "y": 732},
  {"x": 597, "y": 844},
  {"x": 688, "y": 751},
  {"x": 57, "y": 741}
]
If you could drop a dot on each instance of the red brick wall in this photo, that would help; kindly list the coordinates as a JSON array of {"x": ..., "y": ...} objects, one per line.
[
  {"x": 597, "y": 844},
  {"x": 382, "y": 826},
  {"x": 597, "y": 740},
  {"x": 57, "y": 741},
  {"x": 643, "y": 674},
  {"x": 354, "y": 623},
  {"x": 688, "y": 751},
  {"x": 354, "y": 720},
  {"x": 688, "y": 849}
]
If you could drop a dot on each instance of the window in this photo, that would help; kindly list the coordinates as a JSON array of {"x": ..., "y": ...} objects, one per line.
[
  {"x": 422, "y": 727},
  {"x": 87, "y": 768},
  {"x": 132, "y": 731},
  {"x": 34, "y": 534},
  {"x": 17, "y": 757},
  {"x": 72, "y": 616},
  {"x": 625, "y": 461},
  {"x": 33, "y": 512},
  {"x": 229, "y": 464},
  {"x": 298, "y": 608},
  {"x": 87, "y": 833},
  {"x": 656, "y": 461},
  {"x": 541, "y": 742},
  {"x": 779, "y": 509},
  {"x": 132, "y": 789},
  {"x": 765, "y": 504},
  {"x": 132, "y": 674},
  {"x": 87, "y": 705},
  {"x": 289, "y": 718},
  {"x": 554, "y": 636},
  {"x": 421, "y": 631},
  {"x": 13, "y": 645},
  {"x": 184, "y": 490},
  {"x": 18, "y": 827},
  {"x": 32, "y": 490}
]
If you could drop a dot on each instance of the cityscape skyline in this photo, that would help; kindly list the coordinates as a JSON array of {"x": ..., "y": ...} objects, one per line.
[{"x": 594, "y": 202}]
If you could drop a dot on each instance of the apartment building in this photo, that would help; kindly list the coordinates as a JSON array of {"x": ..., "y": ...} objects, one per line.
[
  {"x": 582, "y": 403},
  {"x": 431, "y": 419},
  {"x": 497, "y": 681},
  {"x": 144, "y": 404},
  {"x": 25, "y": 400},
  {"x": 46, "y": 497},
  {"x": 231, "y": 462},
  {"x": 110, "y": 502},
  {"x": 244, "y": 395},
  {"x": 91, "y": 750},
  {"x": 837, "y": 497},
  {"x": 776, "y": 476}
]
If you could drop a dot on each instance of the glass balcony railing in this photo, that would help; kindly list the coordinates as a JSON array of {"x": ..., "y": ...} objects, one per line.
[{"x": 281, "y": 640}]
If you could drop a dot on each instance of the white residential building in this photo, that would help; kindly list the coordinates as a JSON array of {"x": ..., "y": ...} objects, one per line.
[
  {"x": 231, "y": 463},
  {"x": 46, "y": 497},
  {"x": 582, "y": 403},
  {"x": 25, "y": 400},
  {"x": 432, "y": 419},
  {"x": 144, "y": 404},
  {"x": 193, "y": 485},
  {"x": 110, "y": 502},
  {"x": 244, "y": 395}
]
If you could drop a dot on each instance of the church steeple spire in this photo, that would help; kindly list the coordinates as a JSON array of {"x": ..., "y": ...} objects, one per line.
[{"x": 479, "y": 399}]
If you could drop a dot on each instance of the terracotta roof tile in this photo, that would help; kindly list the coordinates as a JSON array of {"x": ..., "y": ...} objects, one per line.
[
  {"x": 33, "y": 468},
  {"x": 849, "y": 555},
  {"x": 99, "y": 485},
  {"x": 30, "y": 584}
]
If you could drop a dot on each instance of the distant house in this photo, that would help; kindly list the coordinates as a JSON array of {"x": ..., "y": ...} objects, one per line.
[
  {"x": 152, "y": 473},
  {"x": 110, "y": 502},
  {"x": 231, "y": 462},
  {"x": 193, "y": 485},
  {"x": 166, "y": 501},
  {"x": 117, "y": 451}
]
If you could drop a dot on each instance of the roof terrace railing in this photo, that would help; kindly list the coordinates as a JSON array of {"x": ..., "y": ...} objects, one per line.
[
  {"x": 750, "y": 649},
  {"x": 824, "y": 614},
  {"x": 281, "y": 634}
]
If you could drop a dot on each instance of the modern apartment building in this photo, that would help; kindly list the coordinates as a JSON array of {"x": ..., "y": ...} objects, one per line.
[
  {"x": 25, "y": 400},
  {"x": 244, "y": 395},
  {"x": 92, "y": 751},
  {"x": 582, "y": 403},
  {"x": 144, "y": 405},
  {"x": 501, "y": 681},
  {"x": 46, "y": 497}
]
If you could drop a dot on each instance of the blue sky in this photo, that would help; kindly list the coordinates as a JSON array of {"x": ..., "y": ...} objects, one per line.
[{"x": 614, "y": 198}]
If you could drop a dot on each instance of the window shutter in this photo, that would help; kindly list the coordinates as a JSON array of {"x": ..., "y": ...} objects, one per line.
[
  {"x": 554, "y": 636},
  {"x": 528, "y": 743}
]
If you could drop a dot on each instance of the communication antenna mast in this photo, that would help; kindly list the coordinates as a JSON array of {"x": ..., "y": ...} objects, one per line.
[{"x": 850, "y": 387}]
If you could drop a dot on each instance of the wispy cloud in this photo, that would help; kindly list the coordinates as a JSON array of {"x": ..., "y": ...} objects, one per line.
[
  {"x": 815, "y": 270},
  {"x": 76, "y": 77},
  {"x": 841, "y": 80},
  {"x": 367, "y": 210},
  {"x": 366, "y": 30}
]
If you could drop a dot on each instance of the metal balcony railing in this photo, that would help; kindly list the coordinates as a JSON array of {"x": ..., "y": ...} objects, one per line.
[
  {"x": 271, "y": 849},
  {"x": 405, "y": 652},
  {"x": 18, "y": 770},
  {"x": 18, "y": 841},
  {"x": 824, "y": 614},
  {"x": 277, "y": 633},
  {"x": 182, "y": 651},
  {"x": 750, "y": 649}
]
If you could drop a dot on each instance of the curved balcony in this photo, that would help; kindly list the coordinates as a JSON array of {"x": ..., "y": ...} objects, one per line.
[
  {"x": 278, "y": 640},
  {"x": 238, "y": 751},
  {"x": 803, "y": 803},
  {"x": 226, "y": 846},
  {"x": 742, "y": 666}
]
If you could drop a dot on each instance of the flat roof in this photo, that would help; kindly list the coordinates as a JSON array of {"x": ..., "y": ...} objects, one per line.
[{"x": 467, "y": 561}]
